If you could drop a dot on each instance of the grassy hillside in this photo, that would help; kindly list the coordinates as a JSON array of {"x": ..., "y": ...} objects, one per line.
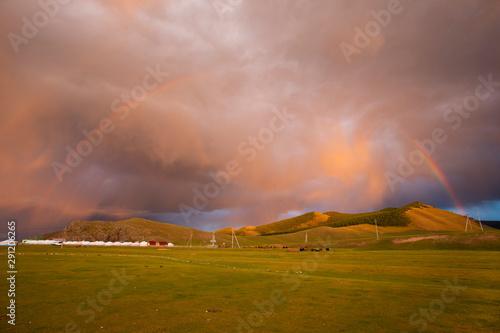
[
  {"x": 385, "y": 217},
  {"x": 133, "y": 230},
  {"x": 415, "y": 218},
  {"x": 302, "y": 222},
  {"x": 431, "y": 218}
]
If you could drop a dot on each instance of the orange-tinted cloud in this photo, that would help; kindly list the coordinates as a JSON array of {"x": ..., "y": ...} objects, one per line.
[{"x": 225, "y": 78}]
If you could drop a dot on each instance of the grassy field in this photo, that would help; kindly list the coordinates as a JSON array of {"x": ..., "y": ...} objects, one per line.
[{"x": 376, "y": 288}]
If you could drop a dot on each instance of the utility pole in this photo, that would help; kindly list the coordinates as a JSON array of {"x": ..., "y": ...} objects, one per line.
[
  {"x": 233, "y": 236},
  {"x": 376, "y": 228},
  {"x": 64, "y": 238},
  {"x": 479, "y": 219},
  {"x": 213, "y": 241},
  {"x": 468, "y": 223}
]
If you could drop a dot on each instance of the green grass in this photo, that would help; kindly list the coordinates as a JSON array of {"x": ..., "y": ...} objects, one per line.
[{"x": 375, "y": 288}]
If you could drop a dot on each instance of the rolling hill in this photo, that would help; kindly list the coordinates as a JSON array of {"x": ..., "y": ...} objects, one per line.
[
  {"x": 135, "y": 229},
  {"x": 413, "y": 218},
  {"x": 416, "y": 216}
]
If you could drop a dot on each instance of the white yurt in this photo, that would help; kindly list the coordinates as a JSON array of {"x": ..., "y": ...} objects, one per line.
[
  {"x": 144, "y": 244},
  {"x": 108, "y": 244},
  {"x": 85, "y": 243},
  {"x": 8, "y": 243},
  {"x": 117, "y": 244},
  {"x": 170, "y": 245},
  {"x": 126, "y": 244},
  {"x": 100, "y": 243},
  {"x": 136, "y": 244}
]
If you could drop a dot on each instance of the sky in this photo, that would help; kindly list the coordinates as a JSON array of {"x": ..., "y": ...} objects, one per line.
[{"x": 212, "y": 114}]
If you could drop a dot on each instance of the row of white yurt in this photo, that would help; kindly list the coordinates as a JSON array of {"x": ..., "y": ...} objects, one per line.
[
  {"x": 86, "y": 243},
  {"x": 41, "y": 242},
  {"x": 73, "y": 243}
]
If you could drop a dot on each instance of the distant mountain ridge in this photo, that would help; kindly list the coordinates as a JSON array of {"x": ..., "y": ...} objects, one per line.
[
  {"x": 493, "y": 224},
  {"x": 415, "y": 216}
]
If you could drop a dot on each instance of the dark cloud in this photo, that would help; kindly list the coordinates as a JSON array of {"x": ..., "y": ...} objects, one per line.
[{"x": 219, "y": 81}]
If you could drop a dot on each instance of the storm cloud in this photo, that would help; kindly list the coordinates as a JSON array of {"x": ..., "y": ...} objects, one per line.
[{"x": 174, "y": 92}]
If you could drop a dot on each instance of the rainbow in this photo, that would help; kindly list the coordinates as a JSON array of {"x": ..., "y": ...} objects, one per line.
[
  {"x": 437, "y": 172},
  {"x": 166, "y": 85},
  {"x": 24, "y": 110}
]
